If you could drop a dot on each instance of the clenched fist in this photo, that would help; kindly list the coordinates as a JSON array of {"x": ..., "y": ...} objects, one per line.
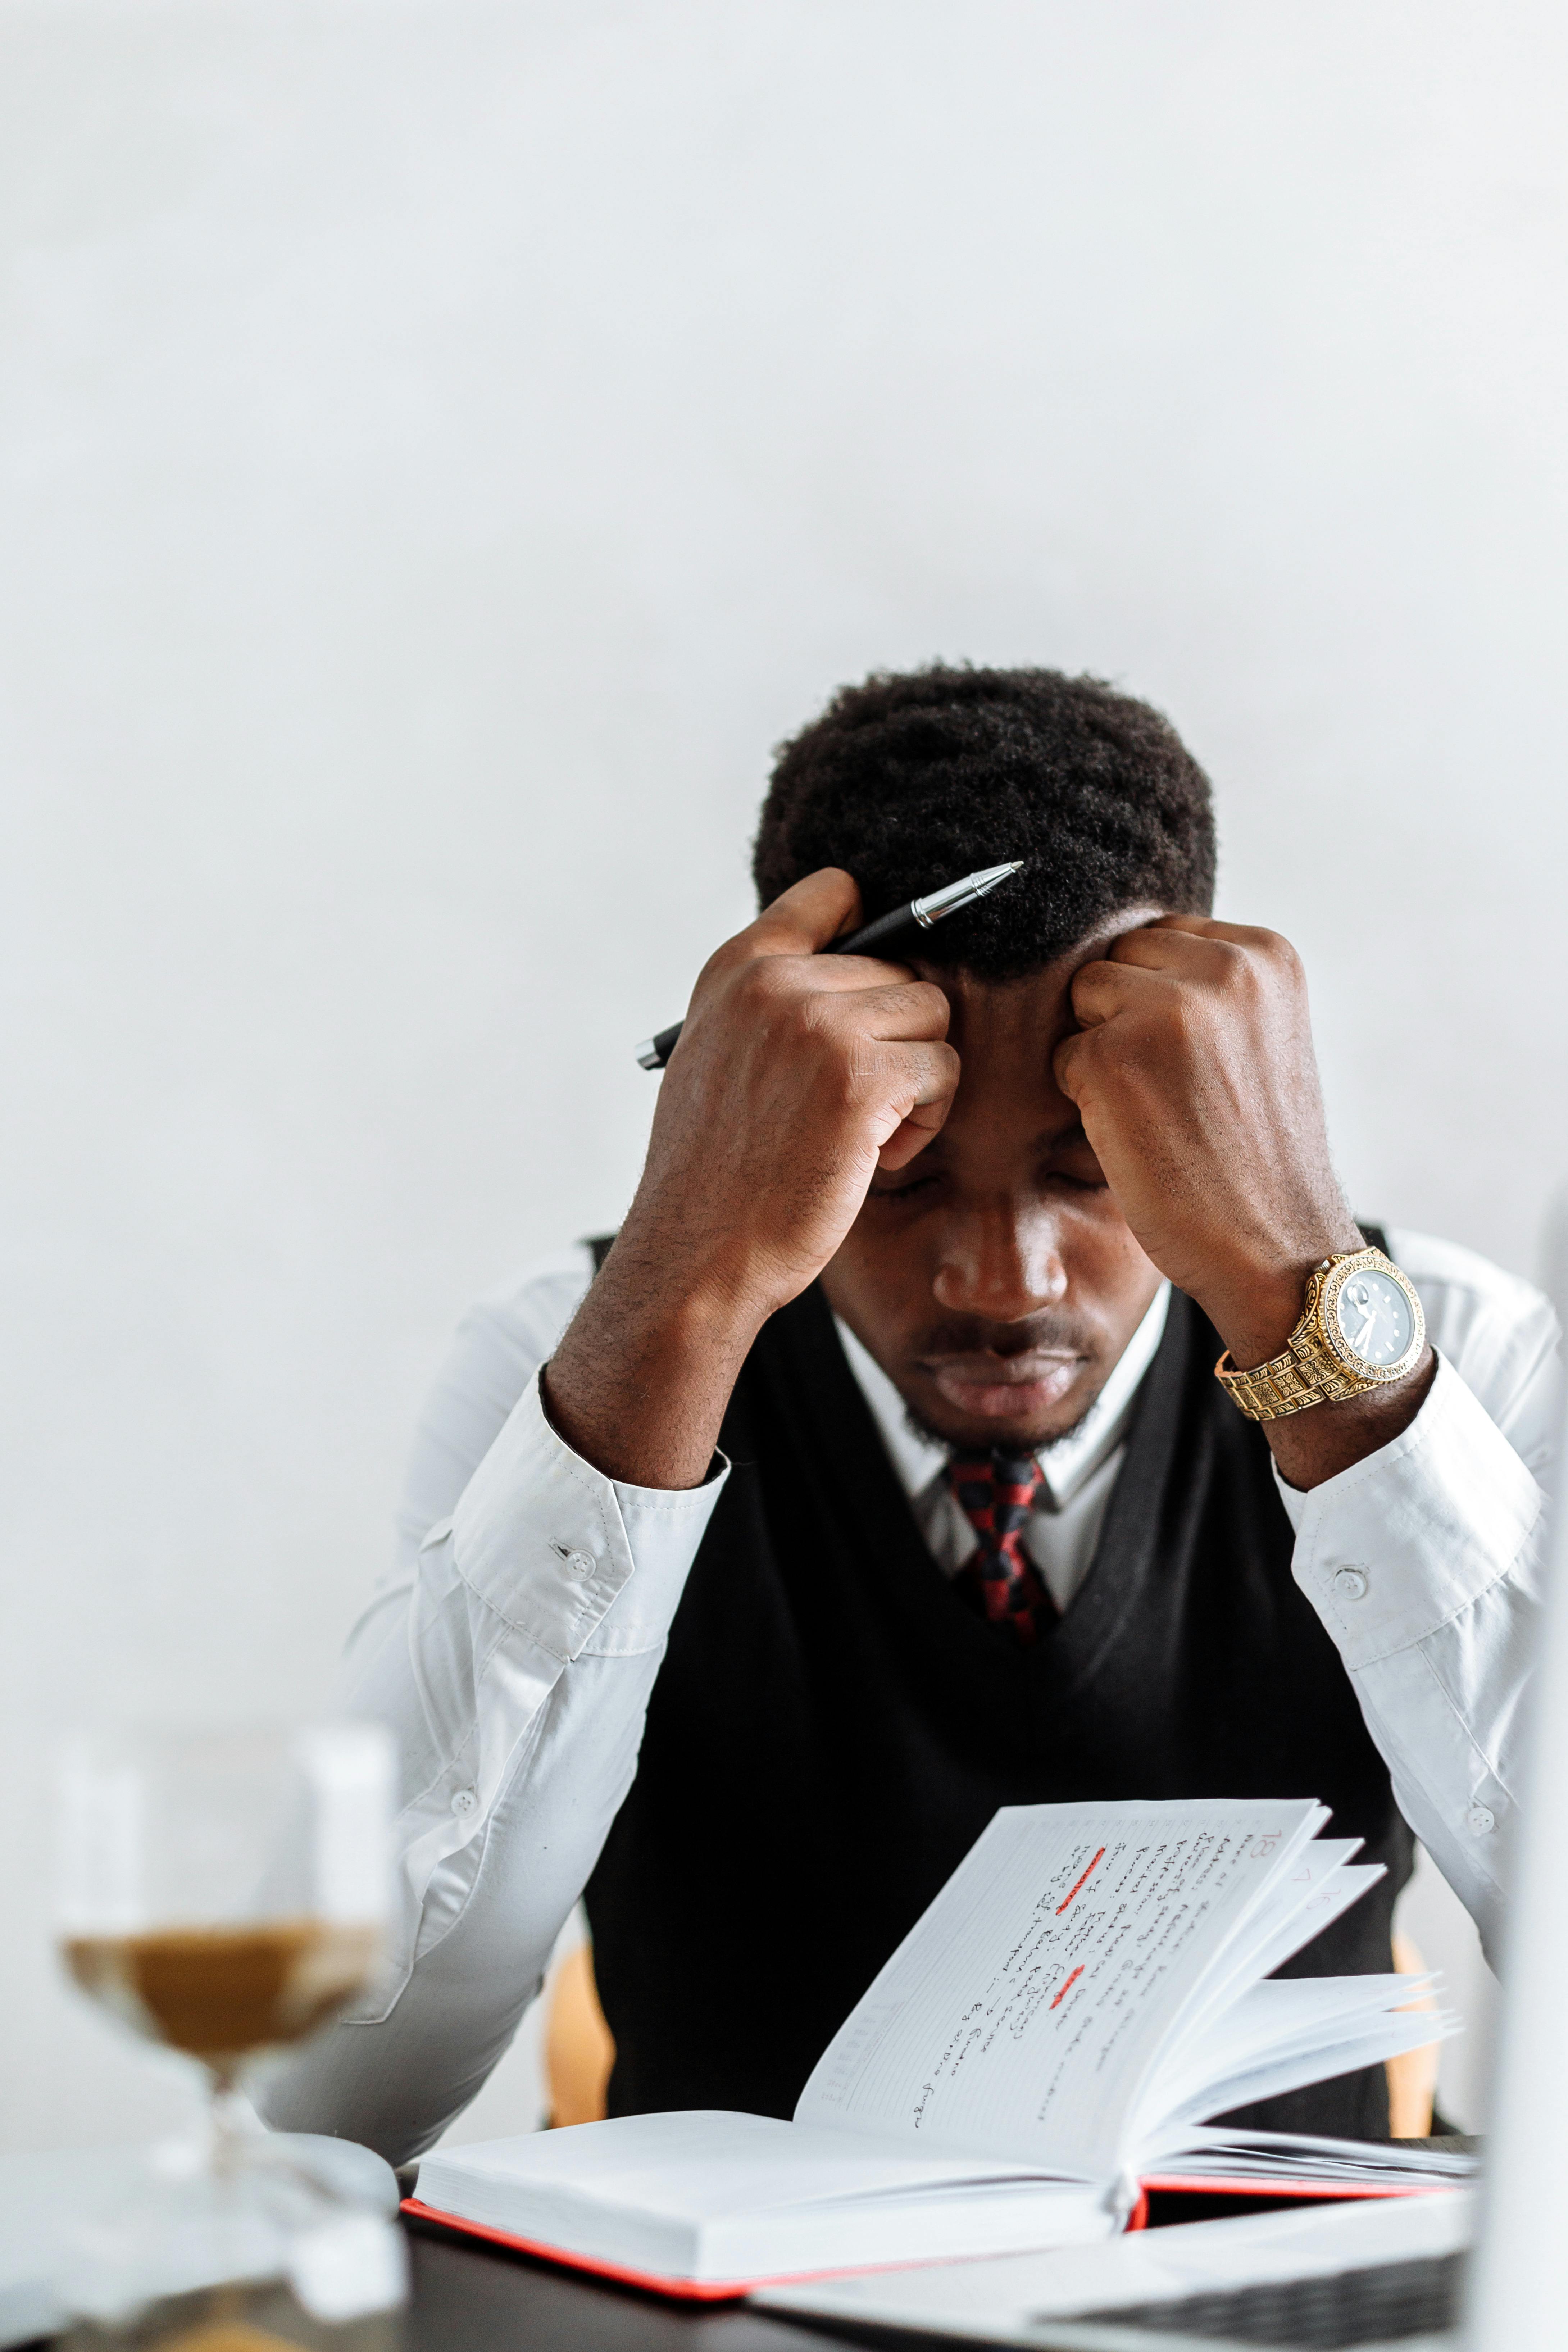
[
  {"x": 1195, "y": 1077},
  {"x": 796, "y": 1075}
]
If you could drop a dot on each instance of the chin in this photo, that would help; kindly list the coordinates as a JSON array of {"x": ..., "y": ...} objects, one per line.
[{"x": 982, "y": 1435}]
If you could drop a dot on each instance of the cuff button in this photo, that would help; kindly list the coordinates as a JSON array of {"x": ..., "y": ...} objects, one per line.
[
  {"x": 1481, "y": 1818},
  {"x": 1350, "y": 1583}
]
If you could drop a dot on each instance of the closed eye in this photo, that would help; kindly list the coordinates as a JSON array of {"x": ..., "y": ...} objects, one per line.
[
  {"x": 904, "y": 1188},
  {"x": 1071, "y": 1162}
]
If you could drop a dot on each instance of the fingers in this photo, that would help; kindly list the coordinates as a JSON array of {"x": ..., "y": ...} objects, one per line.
[
  {"x": 845, "y": 975},
  {"x": 1192, "y": 943},
  {"x": 902, "y": 1008},
  {"x": 1101, "y": 990},
  {"x": 1067, "y": 1064},
  {"x": 1190, "y": 951},
  {"x": 1174, "y": 946},
  {"x": 803, "y": 919},
  {"x": 921, "y": 1081},
  {"x": 815, "y": 996},
  {"x": 918, "y": 1076}
]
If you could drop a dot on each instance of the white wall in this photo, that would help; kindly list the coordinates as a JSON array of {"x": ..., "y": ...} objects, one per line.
[{"x": 445, "y": 446}]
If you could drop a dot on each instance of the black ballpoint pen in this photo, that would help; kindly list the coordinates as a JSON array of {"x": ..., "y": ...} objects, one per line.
[{"x": 877, "y": 937}]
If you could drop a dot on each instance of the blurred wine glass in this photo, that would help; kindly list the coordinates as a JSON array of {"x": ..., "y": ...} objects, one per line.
[{"x": 224, "y": 1894}]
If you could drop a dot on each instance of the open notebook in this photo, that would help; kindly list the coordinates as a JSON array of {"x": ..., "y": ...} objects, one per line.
[{"x": 1088, "y": 1987}]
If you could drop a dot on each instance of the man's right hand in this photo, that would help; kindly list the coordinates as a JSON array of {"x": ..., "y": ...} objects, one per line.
[{"x": 796, "y": 1075}]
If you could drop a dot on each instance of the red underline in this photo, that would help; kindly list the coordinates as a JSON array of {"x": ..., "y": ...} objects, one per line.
[
  {"x": 1063, "y": 1905},
  {"x": 1070, "y": 1983}
]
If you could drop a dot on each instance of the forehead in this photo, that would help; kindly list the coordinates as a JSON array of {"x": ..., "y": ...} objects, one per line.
[
  {"x": 1005, "y": 1027},
  {"x": 1014, "y": 1023},
  {"x": 1006, "y": 1033}
]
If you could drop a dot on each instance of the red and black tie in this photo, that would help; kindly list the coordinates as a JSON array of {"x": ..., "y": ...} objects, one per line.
[{"x": 996, "y": 1493}]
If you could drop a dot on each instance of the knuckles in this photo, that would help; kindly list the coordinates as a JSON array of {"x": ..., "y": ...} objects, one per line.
[
  {"x": 1260, "y": 973},
  {"x": 1259, "y": 952},
  {"x": 931, "y": 1003},
  {"x": 762, "y": 981},
  {"x": 777, "y": 997},
  {"x": 763, "y": 998},
  {"x": 848, "y": 1069}
]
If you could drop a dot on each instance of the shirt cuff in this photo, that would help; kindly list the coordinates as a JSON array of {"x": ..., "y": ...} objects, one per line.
[
  {"x": 1400, "y": 1543},
  {"x": 564, "y": 1554}
]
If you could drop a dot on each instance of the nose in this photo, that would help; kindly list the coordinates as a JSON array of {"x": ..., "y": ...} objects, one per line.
[{"x": 1001, "y": 1264}]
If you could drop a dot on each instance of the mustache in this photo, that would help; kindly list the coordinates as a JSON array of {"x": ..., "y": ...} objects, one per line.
[{"x": 972, "y": 1334}]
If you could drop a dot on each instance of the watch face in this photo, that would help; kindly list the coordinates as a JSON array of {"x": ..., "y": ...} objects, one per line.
[{"x": 1375, "y": 1318}]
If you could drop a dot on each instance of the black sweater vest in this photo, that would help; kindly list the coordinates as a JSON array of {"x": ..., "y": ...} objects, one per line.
[{"x": 832, "y": 1728}]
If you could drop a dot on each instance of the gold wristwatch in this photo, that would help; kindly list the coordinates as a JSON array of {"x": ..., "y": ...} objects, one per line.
[{"x": 1362, "y": 1327}]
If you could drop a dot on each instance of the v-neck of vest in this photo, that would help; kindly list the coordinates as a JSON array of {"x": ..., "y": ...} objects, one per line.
[{"x": 842, "y": 1431}]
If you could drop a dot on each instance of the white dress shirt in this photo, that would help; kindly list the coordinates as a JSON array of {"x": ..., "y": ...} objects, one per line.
[{"x": 514, "y": 1644}]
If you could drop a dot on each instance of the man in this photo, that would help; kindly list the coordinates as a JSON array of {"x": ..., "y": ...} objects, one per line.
[{"x": 881, "y": 1476}]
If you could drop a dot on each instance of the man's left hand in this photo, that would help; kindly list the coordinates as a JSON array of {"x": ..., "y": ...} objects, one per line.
[{"x": 1195, "y": 1077}]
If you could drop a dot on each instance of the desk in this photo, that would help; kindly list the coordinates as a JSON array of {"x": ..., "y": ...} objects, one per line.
[
  {"x": 474, "y": 2299},
  {"x": 469, "y": 2297}
]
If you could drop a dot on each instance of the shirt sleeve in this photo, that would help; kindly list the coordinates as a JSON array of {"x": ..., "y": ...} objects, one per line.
[
  {"x": 1423, "y": 1563},
  {"x": 513, "y": 1653}
]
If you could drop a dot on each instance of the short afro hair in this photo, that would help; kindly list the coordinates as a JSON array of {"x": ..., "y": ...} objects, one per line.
[{"x": 914, "y": 778}]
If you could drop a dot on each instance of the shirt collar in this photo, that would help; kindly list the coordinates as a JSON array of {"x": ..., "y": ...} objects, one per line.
[{"x": 1067, "y": 1464}]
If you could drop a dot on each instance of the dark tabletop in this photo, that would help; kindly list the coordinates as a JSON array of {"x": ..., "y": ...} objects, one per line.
[{"x": 470, "y": 2298}]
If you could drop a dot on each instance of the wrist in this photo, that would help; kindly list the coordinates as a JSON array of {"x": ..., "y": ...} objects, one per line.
[
  {"x": 1313, "y": 1446},
  {"x": 1256, "y": 1323},
  {"x": 638, "y": 1386},
  {"x": 1255, "y": 1310},
  {"x": 698, "y": 1293}
]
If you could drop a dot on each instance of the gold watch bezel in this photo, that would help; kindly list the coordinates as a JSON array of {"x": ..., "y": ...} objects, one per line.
[{"x": 1321, "y": 1310}]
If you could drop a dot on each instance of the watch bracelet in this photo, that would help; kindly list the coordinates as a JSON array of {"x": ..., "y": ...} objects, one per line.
[{"x": 1287, "y": 1383}]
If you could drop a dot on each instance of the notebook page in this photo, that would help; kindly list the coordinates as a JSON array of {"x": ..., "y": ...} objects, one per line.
[
  {"x": 1216, "y": 2149},
  {"x": 1328, "y": 1902},
  {"x": 1282, "y": 2018},
  {"x": 1318, "y": 2062},
  {"x": 1200, "y": 2053},
  {"x": 1020, "y": 2015},
  {"x": 1320, "y": 1884},
  {"x": 1290, "y": 1896}
]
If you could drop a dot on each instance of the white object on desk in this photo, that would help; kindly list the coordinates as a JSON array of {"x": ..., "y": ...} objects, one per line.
[{"x": 45, "y": 2198}]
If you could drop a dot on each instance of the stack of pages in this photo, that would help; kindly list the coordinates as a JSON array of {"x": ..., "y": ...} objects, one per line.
[
  {"x": 1273, "y": 2162},
  {"x": 1086, "y": 1989}
]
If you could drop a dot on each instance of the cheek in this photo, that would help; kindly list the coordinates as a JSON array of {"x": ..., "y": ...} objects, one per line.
[
  {"x": 1100, "y": 1255},
  {"x": 882, "y": 1277}
]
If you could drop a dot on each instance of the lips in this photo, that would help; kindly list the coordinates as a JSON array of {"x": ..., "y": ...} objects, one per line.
[{"x": 997, "y": 1388}]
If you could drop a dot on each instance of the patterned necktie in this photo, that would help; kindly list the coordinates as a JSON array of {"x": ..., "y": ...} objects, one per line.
[{"x": 996, "y": 1493}]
